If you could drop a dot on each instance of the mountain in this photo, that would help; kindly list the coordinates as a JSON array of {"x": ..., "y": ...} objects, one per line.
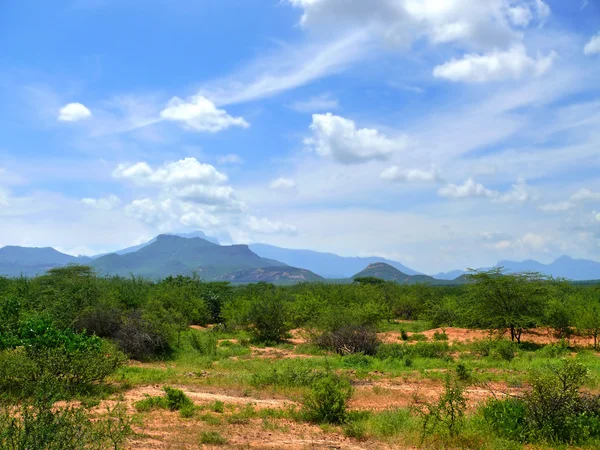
[
  {"x": 564, "y": 267},
  {"x": 31, "y": 261},
  {"x": 272, "y": 275},
  {"x": 175, "y": 255},
  {"x": 327, "y": 265},
  {"x": 135, "y": 248},
  {"x": 452, "y": 275},
  {"x": 388, "y": 273}
]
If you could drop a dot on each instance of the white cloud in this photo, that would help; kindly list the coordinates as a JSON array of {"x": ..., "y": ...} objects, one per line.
[
  {"x": 519, "y": 193},
  {"x": 200, "y": 114},
  {"x": 494, "y": 66},
  {"x": 557, "y": 207},
  {"x": 483, "y": 24},
  {"x": 593, "y": 46},
  {"x": 395, "y": 173},
  {"x": 182, "y": 172},
  {"x": 584, "y": 194},
  {"x": 597, "y": 217},
  {"x": 108, "y": 203},
  {"x": 210, "y": 195},
  {"x": 3, "y": 197},
  {"x": 338, "y": 138},
  {"x": 230, "y": 158},
  {"x": 282, "y": 184},
  {"x": 526, "y": 243},
  {"x": 150, "y": 211},
  {"x": 265, "y": 226},
  {"x": 321, "y": 103},
  {"x": 74, "y": 112},
  {"x": 469, "y": 189}
]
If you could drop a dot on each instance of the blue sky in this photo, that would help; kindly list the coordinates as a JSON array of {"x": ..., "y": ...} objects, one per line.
[{"x": 443, "y": 134}]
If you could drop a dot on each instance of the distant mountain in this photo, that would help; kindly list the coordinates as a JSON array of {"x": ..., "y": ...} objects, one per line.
[
  {"x": 388, "y": 273},
  {"x": 32, "y": 261},
  {"x": 452, "y": 275},
  {"x": 564, "y": 267},
  {"x": 272, "y": 275},
  {"x": 174, "y": 255},
  {"x": 135, "y": 248},
  {"x": 327, "y": 265}
]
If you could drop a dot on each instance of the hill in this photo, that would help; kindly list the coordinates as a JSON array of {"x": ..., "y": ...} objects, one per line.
[
  {"x": 174, "y": 255},
  {"x": 135, "y": 248},
  {"x": 31, "y": 261},
  {"x": 277, "y": 275},
  {"x": 564, "y": 267},
  {"x": 328, "y": 265},
  {"x": 388, "y": 273}
]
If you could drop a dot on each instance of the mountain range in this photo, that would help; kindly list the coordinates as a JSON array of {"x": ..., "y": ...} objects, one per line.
[{"x": 198, "y": 253}]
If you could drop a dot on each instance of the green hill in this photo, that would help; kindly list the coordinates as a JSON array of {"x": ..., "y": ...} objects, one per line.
[
  {"x": 31, "y": 261},
  {"x": 277, "y": 275},
  {"x": 388, "y": 273},
  {"x": 174, "y": 255}
]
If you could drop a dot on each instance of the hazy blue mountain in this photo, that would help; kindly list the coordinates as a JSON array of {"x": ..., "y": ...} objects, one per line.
[
  {"x": 327, "y": 265},
  {"x": 452, "y": 275},
  {"x": 31, "y": 261},
  {"x": 175, "y": 255},
  {"x": 565, "y": 267}
]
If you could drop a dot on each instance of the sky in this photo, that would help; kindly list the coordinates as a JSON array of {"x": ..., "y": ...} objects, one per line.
[{"x": 443, "y": 134}]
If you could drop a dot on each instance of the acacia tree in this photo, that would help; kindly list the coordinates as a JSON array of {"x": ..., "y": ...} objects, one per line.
[
  {"x": 588, "y": 317},
  {"x": 513, "y": 301}
]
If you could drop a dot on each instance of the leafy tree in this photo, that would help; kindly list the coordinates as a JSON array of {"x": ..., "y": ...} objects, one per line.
[{"x": 513, "y": 301}]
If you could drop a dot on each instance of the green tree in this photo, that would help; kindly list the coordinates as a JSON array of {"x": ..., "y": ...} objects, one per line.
[{"x": 513, "y": 301}]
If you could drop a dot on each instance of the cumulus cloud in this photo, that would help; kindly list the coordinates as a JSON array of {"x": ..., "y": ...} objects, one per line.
[
  {"x": 266, "y": 226},
  {"x": 156, "y": 213},
  {"x": 200, "y": 114},
  {"x": 338, "y": 138},
  {"x": 494, "y": 66},
  {"x": 74, "y": 112},
  {"x": 593, "y": 46},
  {"x": 483, "y": 24},
  {"x": 527, "y": 243},
  {"x": 282, "y": 184},
  {"x": 230, "y": 158},
  {"x": 469, "y": 189},
  {"x": 395, "y": 173},
  {"x": 520, "y": 192},
  {"x": 581, "y": 196},
  {"x": 182, "y": 172},
  {"x": 223, "y": 196},
  {"x": 320, "y": 103},
  {"x": 108, "y": 203}
]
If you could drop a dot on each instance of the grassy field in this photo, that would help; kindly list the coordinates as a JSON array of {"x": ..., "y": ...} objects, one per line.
[{"x": 248, "y": 396}]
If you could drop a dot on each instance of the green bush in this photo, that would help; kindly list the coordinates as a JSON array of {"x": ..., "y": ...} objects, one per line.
[
  {"x": 327, "y": 400},
  {"x": 508, "y": 418},
  {"x": 212, "y": 438},
  {"x": 205, "y": 343},
  {"x": 44, "y": 425},
  {"x": 505, "y": 349},
  {"x": 176, "y": 399},
  {"x": 268, "y": 316},
  {"x": 350, "y": 339},
  {"x": 288, "y": 375},
  {"x": 429, "y": 349},
  {"x": 417, "y": 337},
  {"x": 437, "y": 336},
  {"x": 553, "y": 350},
  {"x": 389, "y": 423}
]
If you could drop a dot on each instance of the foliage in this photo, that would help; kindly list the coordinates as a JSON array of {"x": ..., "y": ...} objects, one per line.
[
  {"x": 212, "y": 438},
  {"x": 327, "y": 400},
  {"x": 349, "y": 339}
]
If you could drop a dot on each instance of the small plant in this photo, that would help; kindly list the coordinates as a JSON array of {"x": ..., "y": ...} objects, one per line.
[
  {"x": 327, "y": 400},
  {"x": 403, "y": 335},
  {"x": 149, "y": 403},
  {"x": 355, "y": 429},
  {"x": 417, "y": 337},
  {"x": 505, "y": 349},
  {"x": 212, "y": 438},
  {"x": 187, "y": 411},
  {"x": 437, "y": 336},
  {"x": 463, "y": 373},
  {"x": 218, "y": 407},
  {"x": 448, "y": 413},
  {"x": 176, "y": 399}
]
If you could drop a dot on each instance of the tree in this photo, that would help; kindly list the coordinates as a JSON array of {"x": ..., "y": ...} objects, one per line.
[
  {"x": 513, "y": 301},
  {"x": 588, "y": 317}
]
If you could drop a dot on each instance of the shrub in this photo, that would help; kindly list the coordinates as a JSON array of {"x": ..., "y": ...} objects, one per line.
[
  {"x": 429, "y": 349},
  {"x": 176, "y": 399},
  {"x": 204, "y": 343},
  {"x": 393, "y": 351},
  {"x": 268, "y": 317},
  {"x": 288, "y": 375},
  {"x": 356, "y": 429},
  {"x": 463, "y": 373},
  {"x": 327, "y": 400},
  {"x": 389, "y": 423},
  {"x": 350, "y": 339},
  {"x": 44, "y": 425},
  {"x": 554, "y": 350},
  {"x": 448, "y": 413},
  {"x": 140, "y": 338},
  {"x": 403, "y": 335},
  {"x": 437, "y": 336},
  {"x": 417, "y": 337},
  {"x": 212, "y": 438},
  {"x": 505, "y": 349},
  {"x": 508, "y": 418}
]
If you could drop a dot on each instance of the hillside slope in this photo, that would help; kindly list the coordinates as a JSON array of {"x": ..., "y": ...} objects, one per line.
[
  {"x": 327, "y": 265},
  {"x": 174, "y": 255},
  {"x": 388, "y": 273},
  {"x": 31, "y": 261}
]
